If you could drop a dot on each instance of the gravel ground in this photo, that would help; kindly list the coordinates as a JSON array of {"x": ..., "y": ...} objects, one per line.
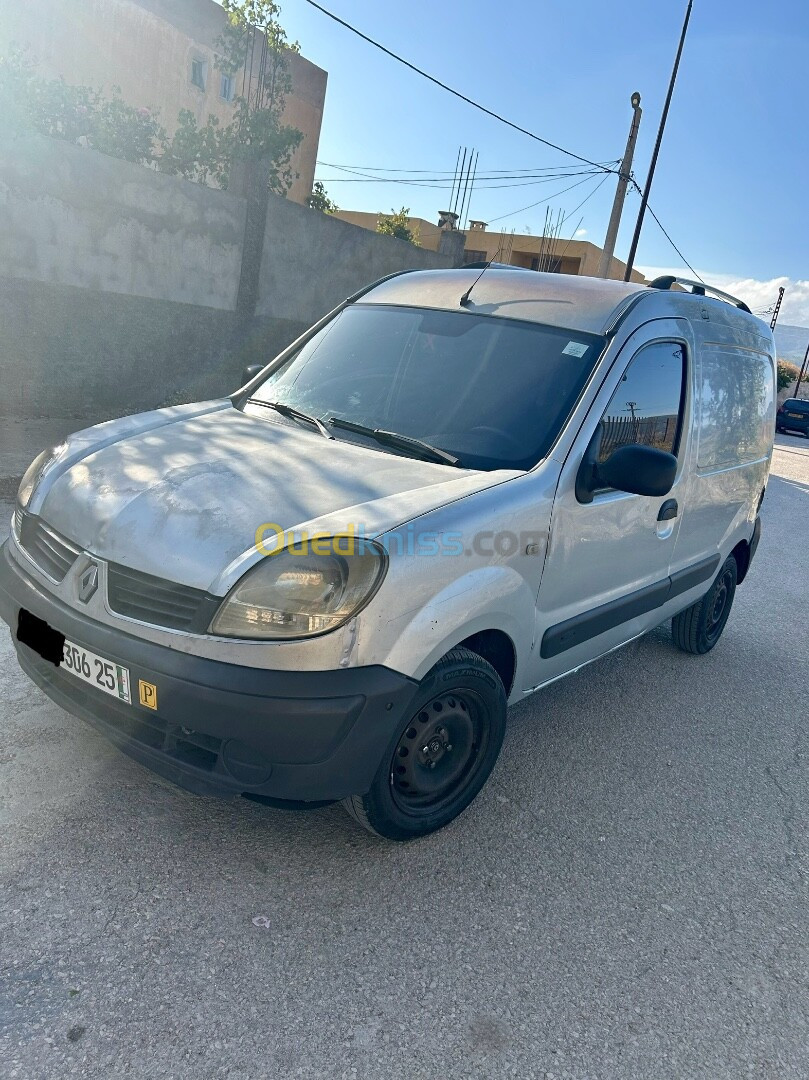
[{"x": 626, "y": 899}]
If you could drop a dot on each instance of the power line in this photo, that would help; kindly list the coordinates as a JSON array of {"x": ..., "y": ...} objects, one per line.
[
  {"x": 447, "y": 174},
  {"x": 584, "y": 200},
  {"x": 662, "y": 229},
  {"x": 455, "y": 93},
  {"x": 522, "y": 209},
  {"x": 446, "y": 185},
  {"x": 450, "y": 178},
  {"x": 573, "y": 234},
  {"x": 634, "y": 182}
]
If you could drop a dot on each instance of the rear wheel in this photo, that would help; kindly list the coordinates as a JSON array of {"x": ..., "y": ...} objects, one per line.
[
  {"x": 698, "y": 628},
  {"x": 443, "y": 754}
]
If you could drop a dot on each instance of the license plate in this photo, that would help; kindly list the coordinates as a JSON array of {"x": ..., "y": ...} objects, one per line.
[
  {"x": 102, "y": 674},
  {"x": 795, "y": 416}
]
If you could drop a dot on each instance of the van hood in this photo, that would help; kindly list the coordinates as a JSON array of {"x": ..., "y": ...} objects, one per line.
[{"x": 180, "y": 493}]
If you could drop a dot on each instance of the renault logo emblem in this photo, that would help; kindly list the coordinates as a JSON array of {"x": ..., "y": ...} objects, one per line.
[{"x": 88, "y": 583}]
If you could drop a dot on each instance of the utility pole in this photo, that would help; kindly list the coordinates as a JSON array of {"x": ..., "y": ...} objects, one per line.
[
  {"x": 632, "y": 405},
  {"x": 653, "y": 165},
  {"x": 624, "y": 174},
  {"x": 777, "y": 308},
  {"x": 802, "y": 373}
]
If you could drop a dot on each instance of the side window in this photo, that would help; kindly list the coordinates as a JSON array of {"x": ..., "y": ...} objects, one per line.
[
  {"x": 736, "y": 407},
  {"x": 647, "y": 407}
]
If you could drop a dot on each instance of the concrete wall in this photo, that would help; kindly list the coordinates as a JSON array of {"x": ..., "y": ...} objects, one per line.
[
  {"x": 69, "y": 352},
  {"x": 145, "y": 47},
  {"x": 312, "y": 261},
  {"x": 119, "y": 286},
  {"x": 577, "y": 256},
  {"x": 70, "y": 216}
]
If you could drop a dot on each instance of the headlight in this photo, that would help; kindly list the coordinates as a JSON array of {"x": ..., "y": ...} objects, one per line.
[
  {"x": 291, "y": 595},
  {"x": 34, "y": 473}
]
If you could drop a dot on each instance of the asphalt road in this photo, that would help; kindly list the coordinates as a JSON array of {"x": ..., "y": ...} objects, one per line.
[{"x": 626, "y": 899}]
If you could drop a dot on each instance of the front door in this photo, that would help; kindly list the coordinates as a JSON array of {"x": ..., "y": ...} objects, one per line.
[{"x": 607, "y": 565}]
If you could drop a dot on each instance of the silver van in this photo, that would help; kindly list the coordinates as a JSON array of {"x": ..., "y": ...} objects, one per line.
[{"x": 454, "y": 489}]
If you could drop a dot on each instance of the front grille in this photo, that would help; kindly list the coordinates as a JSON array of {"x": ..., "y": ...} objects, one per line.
[
  {"x": 53, "y": 554},
  {"x": 154, "y": 600}
]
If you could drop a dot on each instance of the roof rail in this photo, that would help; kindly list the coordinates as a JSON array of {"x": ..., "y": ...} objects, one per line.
[{"x": 698, "y": 288}]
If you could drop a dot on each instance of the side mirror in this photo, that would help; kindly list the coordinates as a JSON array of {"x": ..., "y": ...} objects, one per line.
[
  {"x": 640, "y": 470},
  {"x": 250, "y": 372}
]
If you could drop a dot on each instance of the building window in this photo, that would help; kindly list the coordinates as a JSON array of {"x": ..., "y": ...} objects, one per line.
[
  {"x": 198, "y": 72},
  {"x": 226, "y": 87},
  {"x": 473, "y": 256}
]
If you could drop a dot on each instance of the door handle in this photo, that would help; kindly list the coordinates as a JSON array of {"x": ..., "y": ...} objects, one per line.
[{"x": 668, "y": 510}]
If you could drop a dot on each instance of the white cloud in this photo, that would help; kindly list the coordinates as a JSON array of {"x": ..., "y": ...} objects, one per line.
[
  {"x": 757, "y": 294},
  {"x": 581, "y": 232}
]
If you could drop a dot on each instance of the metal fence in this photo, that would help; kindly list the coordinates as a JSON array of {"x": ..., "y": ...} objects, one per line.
[{"x": 657, "y": 431}]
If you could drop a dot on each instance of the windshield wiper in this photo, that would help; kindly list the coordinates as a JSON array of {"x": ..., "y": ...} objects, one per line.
[
  {"x": 294, "y": 414},
  {"x": 401, "y": 442}
]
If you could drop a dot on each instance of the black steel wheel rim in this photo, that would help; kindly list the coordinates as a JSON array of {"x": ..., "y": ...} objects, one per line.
[
  {"x": 439, "y": 752},
  {"x": 719, "y": 605}
]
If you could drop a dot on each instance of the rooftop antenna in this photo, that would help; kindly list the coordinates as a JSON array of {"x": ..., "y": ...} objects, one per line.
[{"x": 464, "y": 302}]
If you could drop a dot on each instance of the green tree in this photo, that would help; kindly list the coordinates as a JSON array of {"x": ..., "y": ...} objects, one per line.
[
  {"x": 125, "y": 131},
  {"x": 197, "y": 153},
  {"x": 787, "y": 374},
  {"x": 319, "y": 199},
  {"x": 205, "y": 152},
  {"x": 77, "y": 114},
  {"x": 397, "y": 224},
  {"x": 254, "y": 44}
]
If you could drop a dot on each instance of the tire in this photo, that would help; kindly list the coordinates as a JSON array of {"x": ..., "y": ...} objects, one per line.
[
  {"x": 698, "y": 628},
  {"x": 442, "y": 756}
]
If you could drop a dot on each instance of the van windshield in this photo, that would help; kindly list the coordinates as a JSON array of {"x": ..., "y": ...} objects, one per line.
[{"x": 492, "y": 392}]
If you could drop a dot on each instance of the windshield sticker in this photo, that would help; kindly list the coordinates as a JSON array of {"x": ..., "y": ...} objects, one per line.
[{"x": 574, "y": 348}]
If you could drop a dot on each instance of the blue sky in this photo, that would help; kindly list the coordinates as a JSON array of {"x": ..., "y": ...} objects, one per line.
[{"x": 731, "y": 178}]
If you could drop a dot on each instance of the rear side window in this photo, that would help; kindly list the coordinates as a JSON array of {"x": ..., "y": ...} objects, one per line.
[
  {"x": 646, "y": 409},
  {"x": 736, "y": 407}
]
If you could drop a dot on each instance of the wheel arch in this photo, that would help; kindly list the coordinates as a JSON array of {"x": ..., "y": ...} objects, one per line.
[
  {"x": 741, "y": 553},
  {"x": 489, "y": 611},
  {"x": 497, "y": 648}
]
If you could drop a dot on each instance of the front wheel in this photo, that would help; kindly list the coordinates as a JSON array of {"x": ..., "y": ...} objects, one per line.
[
  {"x": 444, "y": 753},
  {"x": 698, "y": 628}
]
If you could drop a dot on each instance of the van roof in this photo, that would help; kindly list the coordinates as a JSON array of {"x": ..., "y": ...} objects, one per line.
[{"x": 576, "y": 303}]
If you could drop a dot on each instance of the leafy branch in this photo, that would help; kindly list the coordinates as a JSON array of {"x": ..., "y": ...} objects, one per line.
[
  {"x": 253, "y": 42},
  {"x": 397, "y": 223}
]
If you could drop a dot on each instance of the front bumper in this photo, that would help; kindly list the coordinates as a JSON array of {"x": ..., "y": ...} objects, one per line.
[{"x": 220, "y": 728}]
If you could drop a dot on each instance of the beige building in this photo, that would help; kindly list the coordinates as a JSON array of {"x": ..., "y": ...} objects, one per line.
[
  {"x": 161, "y": 53},
  {"x": 531, "y": 252}
]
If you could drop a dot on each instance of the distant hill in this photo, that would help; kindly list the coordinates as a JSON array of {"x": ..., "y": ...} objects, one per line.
[{"x": 791, "y": 342}]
